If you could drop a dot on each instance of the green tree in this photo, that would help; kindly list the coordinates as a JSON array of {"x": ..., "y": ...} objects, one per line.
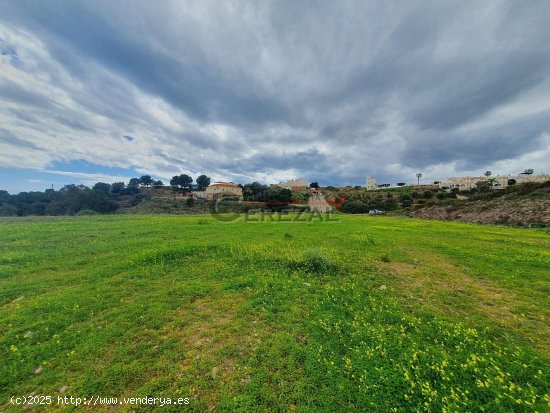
[
  {"x": 132, "y": 187},
  {"x": 314, "y": 185},
  {"x": 185, "y": 181},
  {"x": 254, "y": 191},
  {"x": 146, "y": 180},
  {"x": 355, "y": 207},
  {"x": 157, "y": 184},
  {"x": 202, "y": 182},
  {"x": 7, "y": 210},
  {"x": 117, "y": 188},
  {"x": 102, "y": 187},
  {"x": 133, "y": 183}
]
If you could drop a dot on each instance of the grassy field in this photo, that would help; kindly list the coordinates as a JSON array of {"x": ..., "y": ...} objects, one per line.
[{"x": 368, "y": 314}]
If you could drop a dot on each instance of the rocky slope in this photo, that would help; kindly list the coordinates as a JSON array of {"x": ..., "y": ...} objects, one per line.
[{"x": 526, "y": 206}]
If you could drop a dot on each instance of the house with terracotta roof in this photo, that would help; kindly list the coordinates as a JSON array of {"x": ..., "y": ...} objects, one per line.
[{"x": 219, "y": 190}]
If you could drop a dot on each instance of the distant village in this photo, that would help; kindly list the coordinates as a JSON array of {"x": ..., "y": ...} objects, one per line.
[
  {"x": 466, "y": 183},
  {"x": 219, "y": 190},
  {"x": 149, "y": 195}
]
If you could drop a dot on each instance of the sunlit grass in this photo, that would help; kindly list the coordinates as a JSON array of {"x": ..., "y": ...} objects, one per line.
[{"x": 368, "y": 314}]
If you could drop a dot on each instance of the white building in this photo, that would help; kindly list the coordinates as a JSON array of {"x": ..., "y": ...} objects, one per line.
[
  {"x": 465, "y": 183},
  {"x": 522, "y": 178},
  {"x": 299, "y": 184},
  {"x": 371, "y": 183}
]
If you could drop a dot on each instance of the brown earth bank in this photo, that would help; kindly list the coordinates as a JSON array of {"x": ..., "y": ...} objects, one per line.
[{"x": 528, "y": 208}]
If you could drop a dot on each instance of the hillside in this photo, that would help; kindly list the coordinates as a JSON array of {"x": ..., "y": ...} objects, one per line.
[{"x": 525, "y": 205}]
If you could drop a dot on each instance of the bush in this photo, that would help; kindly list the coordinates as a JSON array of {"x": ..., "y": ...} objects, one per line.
[
  {"x": 391, "y": 205},
  {"x": 190, "y": 202},
  {"x": 354, "y": 207},
  {"x": 315, "y": 261},
  {"x": 406, "y": 200},
  {"x": 7, "y": 210},
  {"x": 137, "y": 199}
]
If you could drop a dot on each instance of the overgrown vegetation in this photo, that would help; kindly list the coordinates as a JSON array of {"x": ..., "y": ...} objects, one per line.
[
  {"x": 118, "y": 197},
  {"x": 522, "y": 205},
  {"x": 368, "y": 314}
]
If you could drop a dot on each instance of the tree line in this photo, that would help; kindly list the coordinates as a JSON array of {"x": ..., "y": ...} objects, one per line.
[
  {"x": 185, "y": 182},
  {"x": 100, "y": 198},
  {"x": 108, "y": 198}
]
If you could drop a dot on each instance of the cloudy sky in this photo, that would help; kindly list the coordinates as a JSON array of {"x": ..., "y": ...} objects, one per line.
[{"x": 267, "y": 90}]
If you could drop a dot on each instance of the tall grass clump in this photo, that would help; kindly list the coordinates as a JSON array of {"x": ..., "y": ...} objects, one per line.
[{"x": 315, "y": 261}]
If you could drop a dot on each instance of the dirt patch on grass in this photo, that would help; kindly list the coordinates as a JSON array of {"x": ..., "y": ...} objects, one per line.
[
  {"x": 434, "y": 282},
  {"x": 217, "y": 337}
]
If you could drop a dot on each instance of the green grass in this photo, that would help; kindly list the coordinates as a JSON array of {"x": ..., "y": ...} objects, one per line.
[{"x": 368, "y": 314}]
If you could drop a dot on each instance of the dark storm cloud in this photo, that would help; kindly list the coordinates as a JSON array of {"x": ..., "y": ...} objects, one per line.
[
  {"x": 476, "y": 90},
  {"x": 311, "y": 160},
  {"x": 335, "y": 90},
  {"x": 475, "y": 149},
  {"x": 188, "y": 82}
]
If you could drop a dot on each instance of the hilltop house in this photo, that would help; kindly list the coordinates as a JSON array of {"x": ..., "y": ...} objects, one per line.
[
  {"x": 294, "y": 184},
  {"x": 465, "y": 183},
  {"x": 219, "y": 190}
]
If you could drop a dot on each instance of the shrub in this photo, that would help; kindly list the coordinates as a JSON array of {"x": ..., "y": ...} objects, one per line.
[
  {"x": 391, "y": 205},
  {"x": 315, "y": 261},
  {"x": 355, "y": 207},
  {"x": 137, "y": 199},
  {"x": 7, "y": 210}
]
